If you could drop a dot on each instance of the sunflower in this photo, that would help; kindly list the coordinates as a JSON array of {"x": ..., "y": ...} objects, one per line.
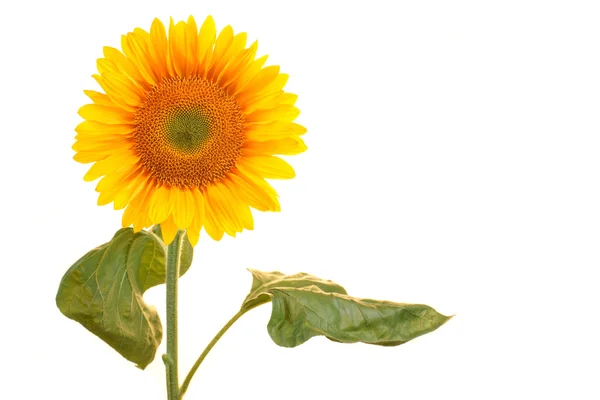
[{"x": 187, "y": 129}]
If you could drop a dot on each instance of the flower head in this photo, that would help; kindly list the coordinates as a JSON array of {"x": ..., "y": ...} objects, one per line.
[{"x": 187, "y": 130}]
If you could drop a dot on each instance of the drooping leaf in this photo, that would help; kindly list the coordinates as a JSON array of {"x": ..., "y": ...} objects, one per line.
[
  {"x": 263, "y": 282},
  {"x": 305, "y": 306},
  {"x": 103, "y": 291},
  {"x": 301, "y": 313}
]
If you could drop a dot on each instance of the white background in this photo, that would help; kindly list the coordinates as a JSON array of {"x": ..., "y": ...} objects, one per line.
[{"x": 454, "y": 160}]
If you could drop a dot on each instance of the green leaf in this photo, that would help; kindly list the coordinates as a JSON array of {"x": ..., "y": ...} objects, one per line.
[
  {"x": 103, "y": 292},
  {"x": 305, "y": 306},
  {"x": 301, "y": 313},
  {"x": 263, "y": 282}
]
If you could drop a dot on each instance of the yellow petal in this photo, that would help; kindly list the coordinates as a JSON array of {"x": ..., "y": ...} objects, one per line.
[
  {"x": 237, "y": 201},
  {"x": 111, "y": 164},
  {"x": 288, "y": 146},
  {"x": 86, "y": 158},
  {"x": 114, "y": 180},
  {"x": 272, "y": 131},
  {"x": 141, "y": 43},
  {"x": 126, "y": 66},
  {"x": 275, "y": 86},
  {"x": 206, "y": 41},
  {"x": 160, "y": 205},
  {"x": 135, "y": 48},
  {"x": 198, "y": 220},
  {"x": 158, "y": 48},
  {"x": 184, "y": 207},
  {"x": 229, "y": 206},
  {"x": 93, "y": 128},
  {"x": 252, "y": 193},
  {"x": 169, "y": 230},
  {"x": 106, "y": 114},
  {"x": 282, "y": 113},
  {"x": 115, "y": 92},
  {"x": 288, "y": 98},
  {"x": 109, "y": 144},
  {"x": 99, "y": 98},
  {"x": 269, "y": 167},
  {"x": 220, "y": 61},
  {"x": 106, "y": 197},
  {"x": 134, "y": 184},
  {"x": 262, "y": 79},
  {"x": 214, "y": 229},
  {"x": 215, "y": 203},
  {"x": 266, "y": 102},
  {"x": 193, "y": 235},
  {"x": 143, "y": 219},
  {"x": 237, "y": 66},
  {"x": 247, "y": 75},
  {"x": 99, "y": 154},
  {"x": 222, "y": 44},
  {"x": 190, "y": 203},
  {"x": 191, "y": 47},
  {"x": 177, "y": 47},
  {"x": 122, "y": 88},
  {"x": 137, "y": 210}
]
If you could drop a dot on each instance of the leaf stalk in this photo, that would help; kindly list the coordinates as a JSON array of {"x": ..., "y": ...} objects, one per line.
[{"x": 207, "y": 350}]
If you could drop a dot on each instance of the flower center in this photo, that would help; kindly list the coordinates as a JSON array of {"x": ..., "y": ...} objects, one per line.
[{"x": 189, "y": 132}]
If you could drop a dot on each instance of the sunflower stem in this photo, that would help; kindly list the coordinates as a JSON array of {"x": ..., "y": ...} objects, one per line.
[
  {"x": 212, "y": 343},
  {"x": 170, "y": 359}
]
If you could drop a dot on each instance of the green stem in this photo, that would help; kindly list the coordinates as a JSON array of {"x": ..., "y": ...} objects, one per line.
[
  {"x": 190, "y": 374},
  {"x": 170, "y": 359}
]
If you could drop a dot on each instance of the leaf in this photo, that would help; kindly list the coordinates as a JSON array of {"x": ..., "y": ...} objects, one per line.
[
  {"x": 263, "y": 282},
  {"x": 305, "y": 306},
  {"x": 103, "y": 292},
  {"x": 301, "y": 313}
]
